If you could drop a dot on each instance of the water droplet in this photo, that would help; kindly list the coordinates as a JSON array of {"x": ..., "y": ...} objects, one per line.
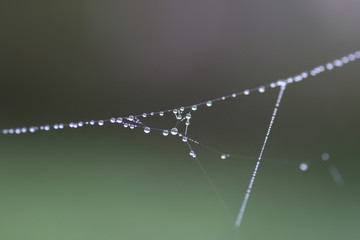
[
  {"x": 5, "y": 131},
  {"x": 132, "y": 126},
  {"x": 188, "y": 116},
  {"x": 92, "y": 122},
  {"x": 113, "y": 120},
  {"x": 23, "y": 130},
  {"x": 161, "y": 113},
  {"x": 182, "y": 109},
  {"x": 304, "y": 75},
  {"x": 233, "y": 95},
  {"x": 179, "y": 117},
  {"x": 194, "y": 108},
  {"x": 209, "y": 103},
  {"x": 11, "y": 131},
  {"x": 101, "y": 122},
  {"x": 223, "y": 156},
  {"x": 130, "y": 118},
  {"x": 329, "y": 66},
  {"x": 303, "y": 166},
  {"x": 17, "y": 131},
  {"x": 261, "y": 89},
  {"x": 152, "y": 113},
  {"x": 165, "y": 132},
  {"x": 289, "y": 80},
  {"x": 174, "y": 131},
  {"x": 187, "y": 123},
  {"x": 144, "y": 115},
  {"x": 119, "y": 120},
  {"x": 223, "y": 98},
  {"x": 325, "y": 156},
  {"x": 61, "y": 126},
  {"x": 126, "y": 125},
  {"x": 184, "y": 139},
  {"x": 47, "y": 128},
  {"x": 146, "y": 130},
  {"x": 192, "y": 153},
  {"x": 175, "y": 111},
  {"x": 32, "y": 129},
  {"x": 80, "y": 124},
  {"x": 247, "y": 92}
]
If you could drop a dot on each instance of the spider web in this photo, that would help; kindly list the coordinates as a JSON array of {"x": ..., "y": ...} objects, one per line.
[{"x": 182, "y": 126}]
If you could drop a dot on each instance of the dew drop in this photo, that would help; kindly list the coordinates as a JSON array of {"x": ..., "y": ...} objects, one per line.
[
  {"x": 179, "y": 117},
  {"x": 174, "y": 131},
  {"x": 119, "y": 120},
  {"x": 112, "y": 120},
  {"x": 184, "y": 139},
  {"x": 5, "y": 131},
  {"x": 192, "y": 153},
  {"x": 32, "y": 129},
  {"x": 101, "y": 122},
  {"x": 130, "y": 118},
  {"x": 23, "y": 130},
  {"x": 188, "y": 116},
  {"x": 182, "y": 109},
  {"x": 209, "y": 103},
  {"x": 146, "y": 130},
  {"x": 187, "y": 123},
  {"x": 247, "y": 92},
  {"x": 223, "y": 156},
  {"x": 272, "y": 85},
  {"x": 80, "y": 124},
  {"x": 303, "y": 166},
  {"x": 165, "y": 132},
  {"x": 61, "y": 126},
  {"x": 233, "y": 95},
  {"x": 194, "y": 108},
  {"x": 325, "y": 156},
  {"x": 223, "y": 98},
  {"x": 132, "y": 126},
  {"x": 47, "y": 128},
  {"x": 144, "y": 115},
  {"x": 261, "y": 89},
  {"x": 161, "y": 113},
  {"x": 11, "y": 131},
  {"x": 175, "y": 111},
  {"x": 152, "y": 113},
  {"x": 92, "y": 122},
  {"x": 126, "y": 125}
]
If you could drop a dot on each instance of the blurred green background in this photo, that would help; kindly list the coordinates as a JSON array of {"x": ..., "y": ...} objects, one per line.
[{"x": 74, "y": 60}]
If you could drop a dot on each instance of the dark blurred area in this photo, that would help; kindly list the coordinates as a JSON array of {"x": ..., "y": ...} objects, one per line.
[{"x": 65, "y": 61}]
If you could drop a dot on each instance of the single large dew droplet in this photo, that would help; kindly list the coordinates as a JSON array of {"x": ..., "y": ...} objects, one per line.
[
  {"x": 165, "y": 132},
  {"x": 209, "y": 103},
  {"x": 303, "y": 166},
  {"x": 188, "y": 116},
  {"x": 194, "y": 108},
  {"x": 146, "y": 130},
  {"x": 130, "y": 118},
  {"x": 223, "y": 156},
  {"x": 184, "y": 139},
  {"x": 174, "y": 131}
]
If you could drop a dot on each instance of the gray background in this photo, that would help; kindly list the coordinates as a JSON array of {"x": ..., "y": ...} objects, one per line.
[{"x": 79, "y": 60}]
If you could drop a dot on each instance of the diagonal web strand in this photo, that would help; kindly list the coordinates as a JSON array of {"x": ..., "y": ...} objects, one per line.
[
  {"x": 248, "y": 191},
  {"x": 221, "y": 200}
]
